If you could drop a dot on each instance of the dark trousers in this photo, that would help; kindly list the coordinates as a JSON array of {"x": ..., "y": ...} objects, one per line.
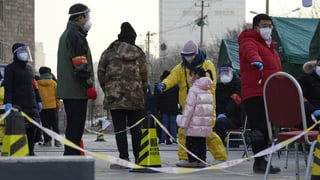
[
  {"x": 49, "y": 119},
  {"x": 121, "y": 119},
  {"x": 31, "y": 132},
  {"x": 222, "y": 125},
  {"x": 76, "y": 111},
  {"x": 197, "y": 145},
  {"x": 169, "y": 121},
  {"x": 256, "y": 115}
]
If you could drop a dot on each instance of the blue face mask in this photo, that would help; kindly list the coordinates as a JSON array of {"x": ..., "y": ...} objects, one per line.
[{"x": 23, "y": 56}]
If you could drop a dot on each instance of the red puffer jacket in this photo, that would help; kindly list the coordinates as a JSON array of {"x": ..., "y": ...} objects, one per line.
[{"x": 252, "y": 47}]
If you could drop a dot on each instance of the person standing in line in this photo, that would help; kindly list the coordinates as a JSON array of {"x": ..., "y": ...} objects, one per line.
[
  {"x": 50, "y": 104},
  {"x": 123, "y": 77},
  {"x": 167, "y": 104},
  {"x": 21, "y": 89},
  {"x": 228, "y": 101},
  {"x": 75, "y": 74},
  {"x": 196, "y": 117},
  {"x": 258, "y": 60},
  {"x": 193, "y": 57},
  {"x": 310, "y": 86}
]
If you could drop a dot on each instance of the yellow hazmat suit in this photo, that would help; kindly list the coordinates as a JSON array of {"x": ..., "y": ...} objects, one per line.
[
  {"x": 2, "y": 128},
  {"x": 181, "y": 75}
]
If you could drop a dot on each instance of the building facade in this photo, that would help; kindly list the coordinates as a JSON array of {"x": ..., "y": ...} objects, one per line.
[
  {"x": 181, "y": 20},
  {"x": 17, "y": 25}
]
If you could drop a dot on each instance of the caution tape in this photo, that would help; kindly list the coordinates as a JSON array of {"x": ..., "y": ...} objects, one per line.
[
  {"x": 183, "y": 147},
  {"x": 171, "y": 170},
  {"x": 124, "y": 130}
]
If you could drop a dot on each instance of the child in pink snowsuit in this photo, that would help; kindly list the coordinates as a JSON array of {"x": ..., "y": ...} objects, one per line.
[{"x": 197, "y": 117}]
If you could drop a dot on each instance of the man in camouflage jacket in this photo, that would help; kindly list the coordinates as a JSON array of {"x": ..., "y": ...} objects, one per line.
[{"x": 123, "y": 77}]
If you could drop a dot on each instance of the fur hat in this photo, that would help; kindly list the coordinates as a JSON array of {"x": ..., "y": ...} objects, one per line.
[
  {"x": 309, "y": 66},
  {"x": 189, "y": 49},
  {"x": 127, "y": 33}
]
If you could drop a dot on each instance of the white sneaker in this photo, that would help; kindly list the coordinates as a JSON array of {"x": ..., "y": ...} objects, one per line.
[{"x": 181, "y": 162}]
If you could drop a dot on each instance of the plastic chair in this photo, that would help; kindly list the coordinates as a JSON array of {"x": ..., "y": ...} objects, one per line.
[
  {"x": 284, "y": 105},
  {"x": 240, "y": 136}
]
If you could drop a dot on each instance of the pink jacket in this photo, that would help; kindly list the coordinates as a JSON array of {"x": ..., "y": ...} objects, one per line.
[{"x": 197, "y": 115}]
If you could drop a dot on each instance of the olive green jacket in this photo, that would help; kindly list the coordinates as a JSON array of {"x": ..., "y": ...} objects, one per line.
[{"x": 73, "y": 82}]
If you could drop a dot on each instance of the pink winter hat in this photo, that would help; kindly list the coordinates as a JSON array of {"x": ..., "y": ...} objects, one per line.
[{"x": 189, "y": 49}]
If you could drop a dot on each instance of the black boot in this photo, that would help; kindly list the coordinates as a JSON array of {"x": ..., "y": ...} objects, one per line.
[{"x": 261, "y": 167}]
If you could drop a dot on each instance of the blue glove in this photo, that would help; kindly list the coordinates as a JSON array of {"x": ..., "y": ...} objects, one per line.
[
  {"x": 258, "y": 65},
  {"x": 161, "y": 86},
  {"x": 7, "y": 106},
  {"x": 39, "y": 106},
  {"x": 221, "y": 116},
  {"x": 316, "y": 114}
]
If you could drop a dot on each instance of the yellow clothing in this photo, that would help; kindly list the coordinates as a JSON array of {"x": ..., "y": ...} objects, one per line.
[
  {"x": 181, "y": 75},
  {"x": 47, "y": 90},
  {"x": 2, "y": 127}
]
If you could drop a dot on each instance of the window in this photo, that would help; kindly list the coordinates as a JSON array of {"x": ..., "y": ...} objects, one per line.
[
  {"x": 1, "y": 50},
  {"x": 1, "y": 11}
]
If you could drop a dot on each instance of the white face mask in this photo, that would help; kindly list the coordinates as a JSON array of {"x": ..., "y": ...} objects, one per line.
[
  {"x": 189, "y": 59},
  {"x": 87, "y": 25},
  {"x": 265, "y": 33},
  {"x": 23, "y": 56},
  {"x": 318, "y": 70},
  {"x": 225, "y": 79}
]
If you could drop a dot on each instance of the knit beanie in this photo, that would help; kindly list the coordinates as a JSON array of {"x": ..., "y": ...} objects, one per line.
[
  {"x": 127, "y": 33},
  {"x": 189, "y": 49},
  {"x": 16, "y": 46}
]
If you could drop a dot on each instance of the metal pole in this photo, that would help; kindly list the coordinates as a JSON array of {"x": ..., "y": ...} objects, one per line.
[
  {"x": 267, "y": 7},
  {"x": 202, "y": 24},
  {"x": 148, "y": 45}
]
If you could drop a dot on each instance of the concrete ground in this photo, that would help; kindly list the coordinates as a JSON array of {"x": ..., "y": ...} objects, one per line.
[{"x": 168, "y": 156}]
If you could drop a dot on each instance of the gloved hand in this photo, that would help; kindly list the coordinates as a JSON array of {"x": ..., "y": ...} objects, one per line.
[
  {"x": 161, "y": 86},
  {"x": 7, "y": 106},
  {"x": 92, "y": 93},
  {"x": 316, "y": 114},
  {"x": 221, "y": 116},
  {"x": 39, "y": 106},
  {"x": 258, "y": 65},
  {"x": 178, "y": 120}
]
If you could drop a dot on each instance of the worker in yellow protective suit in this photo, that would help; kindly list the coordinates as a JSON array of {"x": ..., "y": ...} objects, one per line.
[
  {"x": 193, "y": 57},
  {"x": 2, "y": 126}
]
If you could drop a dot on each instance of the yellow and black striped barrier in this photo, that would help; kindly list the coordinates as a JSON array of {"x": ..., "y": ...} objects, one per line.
[
  {"x": 149, "y": 155},
  {"x": 15, "y": 141},
  {"x": 315, "y": 172},
  {"x": 100, "y": 136}
]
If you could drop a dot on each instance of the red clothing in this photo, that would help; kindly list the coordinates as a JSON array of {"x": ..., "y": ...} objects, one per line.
[{"x": 252, "y": 47}]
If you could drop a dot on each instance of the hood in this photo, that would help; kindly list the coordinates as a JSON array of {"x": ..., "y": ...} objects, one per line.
[
  {"x": 126, "y": 51},
  {"x": 203, "y": 83},
  {"x": 43, "y": 79},
  {"x": 308, "y": 66},
  {"x": 43, "y": 82}
]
